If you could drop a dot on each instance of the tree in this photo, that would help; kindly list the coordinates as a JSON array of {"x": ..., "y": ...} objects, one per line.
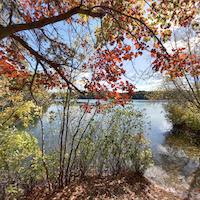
[
  {"x": 181, "y": 67},
  {"x": 47, "y": 44},
  {"x": 184, "y": 79},
  {"x": 29, "y": 30}
]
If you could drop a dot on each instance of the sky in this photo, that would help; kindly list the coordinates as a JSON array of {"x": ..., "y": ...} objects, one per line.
[
  {"x": 148, "y": 80},
  {"x": 139, "y": 71},
  {"x": 141, "y": 74}
]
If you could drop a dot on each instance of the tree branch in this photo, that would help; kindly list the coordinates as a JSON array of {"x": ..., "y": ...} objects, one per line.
[
  {"x": 39, "y": 57},
  {"x": 11, "y": 29}
]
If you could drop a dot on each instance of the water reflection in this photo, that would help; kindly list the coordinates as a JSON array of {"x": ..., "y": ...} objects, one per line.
[
  {"x": 156, "y": 125},
  {"x": 184, "y": 140}
]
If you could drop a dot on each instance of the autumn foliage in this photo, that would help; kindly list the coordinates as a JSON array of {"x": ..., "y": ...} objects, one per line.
[
  {"x": 79, "y": 47},
  {"x": 30, "y": 36}
]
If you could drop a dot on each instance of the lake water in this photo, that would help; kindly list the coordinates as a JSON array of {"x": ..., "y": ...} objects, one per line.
[{"x": 174, "y": 167}]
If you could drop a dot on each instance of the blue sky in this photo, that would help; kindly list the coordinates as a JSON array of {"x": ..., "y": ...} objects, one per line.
[{"x": 138, "y": 71}]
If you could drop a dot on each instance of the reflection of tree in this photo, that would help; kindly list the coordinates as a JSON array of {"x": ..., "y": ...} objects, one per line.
[
  {"x": 178, "y": 157},
  {"x": 180, "y": 139}
]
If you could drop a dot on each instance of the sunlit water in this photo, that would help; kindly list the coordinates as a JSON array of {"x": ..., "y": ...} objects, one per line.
[{"x": 174, "y": 168}]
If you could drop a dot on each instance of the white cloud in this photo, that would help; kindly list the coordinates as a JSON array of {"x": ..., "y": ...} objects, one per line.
[
  {"x": 81, "y": 78},
  {"x": 150, "y": 84},
  {"x": 194, "y": 44},
  {"x": 184, "y": 38}
]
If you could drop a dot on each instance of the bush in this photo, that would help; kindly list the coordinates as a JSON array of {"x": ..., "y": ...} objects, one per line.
[
  {"x": 19, "y": 163},
  {"x": 184, "y": 116},
  {"x": 110, "y": 143},
  {"x": 115, "y": 144}
]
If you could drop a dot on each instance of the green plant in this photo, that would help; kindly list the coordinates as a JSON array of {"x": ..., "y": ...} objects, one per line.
[
  {"x": 13, "y": 192},
  {"x": 186, "y": 116},
  {"x": 115, "y": 144},
  {"x": 19, "y": 163}
]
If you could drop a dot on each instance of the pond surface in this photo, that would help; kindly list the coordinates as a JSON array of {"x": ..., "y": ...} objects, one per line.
[{"x": 175, "y": 167}]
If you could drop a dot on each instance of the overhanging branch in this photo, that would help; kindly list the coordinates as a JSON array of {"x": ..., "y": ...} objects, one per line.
[
  {"x": 11, "y": 29},
  {"x": 39, "y": 57}
]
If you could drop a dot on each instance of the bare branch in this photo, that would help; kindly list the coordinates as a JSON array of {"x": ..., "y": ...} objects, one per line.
[{"x": 52, "y": 64}]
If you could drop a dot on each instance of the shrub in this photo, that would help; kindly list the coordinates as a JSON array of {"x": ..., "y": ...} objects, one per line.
[
  {"x": 184, "y": 116},
  {"x": 115, "y": 144},
  {"x": 19, "y": 166}
]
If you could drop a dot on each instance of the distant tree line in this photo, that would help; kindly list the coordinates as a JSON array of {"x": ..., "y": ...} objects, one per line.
[{"x": 142, "y": 95}]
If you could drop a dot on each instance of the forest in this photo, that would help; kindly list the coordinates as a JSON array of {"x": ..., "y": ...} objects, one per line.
[
  {"x": 143, "y": 95},
  {"x": 100, "y": 99}
]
